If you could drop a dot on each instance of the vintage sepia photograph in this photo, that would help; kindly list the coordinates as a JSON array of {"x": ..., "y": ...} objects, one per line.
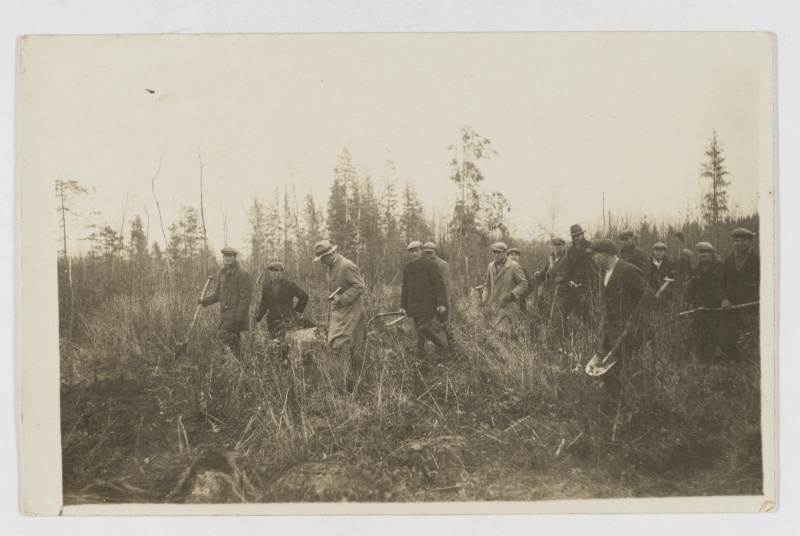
[{"x": 507, "y": 272}]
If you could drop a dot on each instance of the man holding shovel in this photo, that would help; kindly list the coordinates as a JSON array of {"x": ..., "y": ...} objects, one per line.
[
  {"x": 422, "y": 296},
  {"x": 703, "y": 291},
  {"x": 739, "y": 284},
  {"x": 622, "y": 286},
  {"x": 234, "y": 291}
]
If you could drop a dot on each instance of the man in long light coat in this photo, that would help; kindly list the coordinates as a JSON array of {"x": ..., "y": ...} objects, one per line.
[
  {"x": 347, "y": 326},
  {"x": 505, "y": 284}
]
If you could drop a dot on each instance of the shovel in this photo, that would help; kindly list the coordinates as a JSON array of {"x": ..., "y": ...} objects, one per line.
[
  {"x": 663, "y": 287},
  {"x": 393, "y": 322},
  {"x": 597, "y": 366},
  {"x": 182, "y": 346}
]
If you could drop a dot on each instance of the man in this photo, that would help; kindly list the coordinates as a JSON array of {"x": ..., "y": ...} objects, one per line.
[
  {"x": 505, "y": 284},
  {"x": 547, "y": 277},
  {"x": 703, "y": 291},
  {"x": 347, "y": 326},
  {"x": 430, "y": 250},
  {"x": 234, "y": 290},
  {"x": 422, "y": 295},
  {"x": 661, "y": 268},
  {"x": 621, "y": 289},
  {"x": 632, "y": 253},
  {"x": 277, "y": 302},
  {"x": 514, "y": 254},
  {"x": 576, "y": 282},
  {"x": 739, "y": 283}
]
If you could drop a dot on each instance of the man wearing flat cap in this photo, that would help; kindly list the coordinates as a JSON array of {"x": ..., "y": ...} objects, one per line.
[
  {"x": 576, "y": 282},
  {"x": 547, "y": 278},
  {"x": 430, "y": 251},
  {"x": 347, "y": 326},
  {"x": 703, "y": 291},
  {"x": 622, "y": 286},
  {"x": 661, "y": 269},
  {"x": 234, "y": 290},
  {"x": 277, "y": 302},
  {"x": 631, "y": 253},
  {"x": 422, "y": 295},
  {"x": 515, "y": 254},
  {"x": 505, "y": 283},
  {"x": 739, "y": 284}
]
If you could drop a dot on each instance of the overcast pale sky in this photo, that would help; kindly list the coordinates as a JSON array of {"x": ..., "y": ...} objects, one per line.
[{"x": 576, "y": 114}]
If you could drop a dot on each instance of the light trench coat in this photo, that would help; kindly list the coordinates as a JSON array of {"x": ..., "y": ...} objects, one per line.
[
  {"x": 347, "y": 326},
  {"x": 499, "y": 282}
]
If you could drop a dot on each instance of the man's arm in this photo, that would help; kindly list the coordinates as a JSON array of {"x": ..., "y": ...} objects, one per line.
[
  {"x": 518, "y": 276},
  {"x": 263, "y": 305},
  {"x": 438, "y": 284},
  {"x": 404, "y": 291},
  {"x": 213, "y": 298},
  {"x": 357, "y": 286},
  {"x": 302, "y": 298},
  {"x": 245, "y": 297}
]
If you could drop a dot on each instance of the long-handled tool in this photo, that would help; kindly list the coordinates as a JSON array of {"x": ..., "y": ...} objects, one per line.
[
  {"x": 393, "y": 322},
  {"x": 181, "y": 349},
  {"x": 393, "y": 313},
  {"x": 597, "y": 366},
  {"x": 664, "y": 286},
  {"x": 717, "y": 309}
]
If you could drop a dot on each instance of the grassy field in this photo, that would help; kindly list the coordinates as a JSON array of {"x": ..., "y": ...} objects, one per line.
[{"x": 501, "y": 419}]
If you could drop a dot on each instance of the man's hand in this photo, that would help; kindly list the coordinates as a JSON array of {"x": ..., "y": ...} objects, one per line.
[
  {"x": 508, "y": 298},
  {"x": 441, "y": 309},
  {"x": 726, "y": 303},
  {"x": 335, "y": 301}
]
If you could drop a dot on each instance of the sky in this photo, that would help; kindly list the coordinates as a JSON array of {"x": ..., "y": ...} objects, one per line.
[{"x": 582, "y": 119}]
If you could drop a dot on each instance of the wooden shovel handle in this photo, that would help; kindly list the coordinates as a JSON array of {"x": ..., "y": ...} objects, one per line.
[{"x": 197, "y": 310}]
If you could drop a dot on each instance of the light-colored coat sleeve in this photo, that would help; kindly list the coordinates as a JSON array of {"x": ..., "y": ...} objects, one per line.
[
  {"x": 518, "y": 277},
  {"x": 486, "y": 291},
  {"x": 356, "y": 282}
]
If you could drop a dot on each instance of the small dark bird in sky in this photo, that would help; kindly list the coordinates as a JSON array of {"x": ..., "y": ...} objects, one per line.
[{"x": 149, "y": 91}]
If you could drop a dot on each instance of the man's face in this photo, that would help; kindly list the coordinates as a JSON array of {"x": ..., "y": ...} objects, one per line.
[
  {"x": 626, "y": 242},
  {"x": 499, "y": 256},
  {"x": 415, "y": 254},
  {"x": 327, "y": 260},
  {"x": 275, "y": 274},
  {"x": 659, "y": 253},
  {"x": 228, "y": 259},
  {"x": 704, "y": 255},
  {"x": 514, "y": 256},
  {"x": 558, "y": 249},
  {"x": 577, "y": 238},
  {"x": 741, "y": 245},
  {"x": 430, "y": 255},
  {"x": 600, "y": 259}
]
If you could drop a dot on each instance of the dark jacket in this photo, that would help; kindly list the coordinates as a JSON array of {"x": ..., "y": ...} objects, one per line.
[
  {"x": 621, "y": 297},
  {"x": 280, "y": 305},
  {"x": 578, "y": 268},
  {"x": 657, "y": 274},
  {"x": 423, "y": 289},
  {"x": 742, "y": 286},
  {"x": 703, "y": 289},
  {"x": 233, "y": 291},
  {"x": 636, "y": 256}
]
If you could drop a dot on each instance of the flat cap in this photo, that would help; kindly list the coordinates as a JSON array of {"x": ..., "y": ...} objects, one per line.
[
  {"x": 558, "y": 241},
  {"x": 741, "y": 232},
  {"x": 704, "y": 246},
  {"x": 514, "y": 250},
  {"x": 275, "y": 266},
  {"x": 687, "y": 253},
  {"x": 414, "y": 245},
  {"x": 229, "y": 251},
  {"x": 627, "y": 233},
  {"x": 499, "y": 246},
  {"x": 659, "y": 245},
  {"x": 604, "y": 245},
  {"x": 575, "y": 229},
  {"x": 429, "y": 246},
  {"x": 323, "y": 247}
]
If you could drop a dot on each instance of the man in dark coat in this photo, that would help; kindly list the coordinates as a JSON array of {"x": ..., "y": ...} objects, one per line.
[
  {"x": 422, "y": 296},
  {"x": 429, "y": 250},
  {"x": 546, "y": 278},
  {"x": 631, "y": 253},
  {"x": 621, "y": 289},
  {"x": 661, "y": 269},
  {"x": 277, "y": 302},
  {"x": 234, "y": 290},
  {"x": 514, "y": 254},
  {"x": 703, "y": 291},
  {"x": 738, "y": 284},
  {"x": 576, "y": 282}
]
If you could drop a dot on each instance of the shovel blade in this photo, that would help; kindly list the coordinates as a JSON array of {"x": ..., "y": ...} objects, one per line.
[{"x": 597, "y": 366}]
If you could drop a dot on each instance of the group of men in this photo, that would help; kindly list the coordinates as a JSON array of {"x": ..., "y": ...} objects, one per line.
[{"x": 617, "y": 276}]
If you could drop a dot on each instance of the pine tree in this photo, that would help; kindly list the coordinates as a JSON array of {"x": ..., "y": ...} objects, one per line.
[
  {"x": 715, "y": 202},
  {"x": 186, "y": 236},
  {"x": 412, "y": 224},
  {"x": 137, "y": 245},
  {"x": 388, "y": 216}
]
